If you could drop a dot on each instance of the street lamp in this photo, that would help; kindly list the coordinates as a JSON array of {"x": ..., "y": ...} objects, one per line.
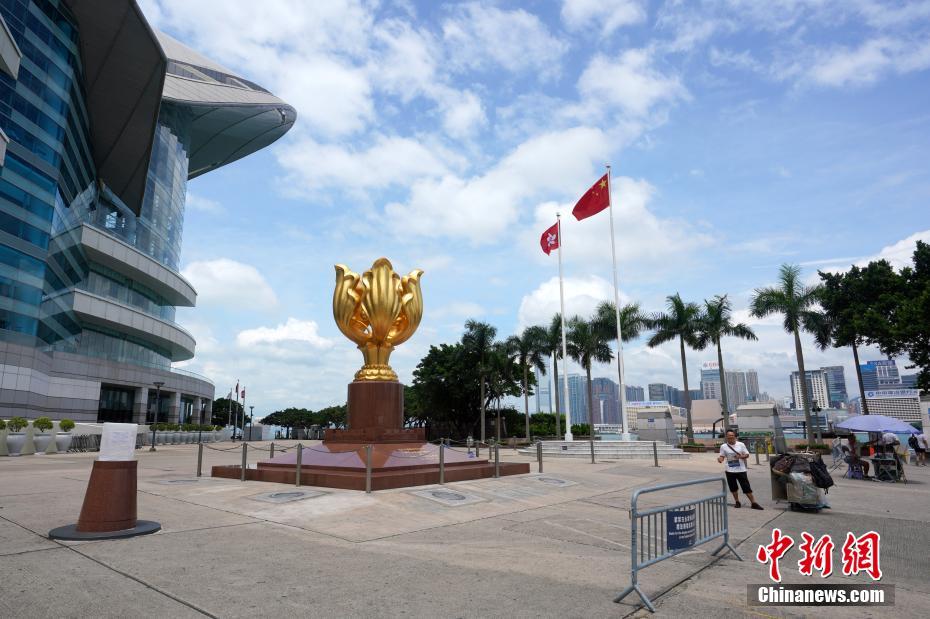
[
  {"x": 158, "y": 385},
  {"x": 251, "y": 416}
]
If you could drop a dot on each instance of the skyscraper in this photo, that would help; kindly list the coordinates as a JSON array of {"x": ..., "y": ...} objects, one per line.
[
  {"x": 107, "y": 121},
  {"x": 710, "y": 380},
  {"x": 736, "y": 389},
  {"x": 816, "y": 387},
  {"x": 879, "y": 374},
  {"x": 752, "y": 386},
  {"x": 607, "y": 391},
  {"x": 634, "y": 393},
  {"x": 544, "y": 402},
  {"x": 658, "y": 391},
  {"x": 578, "y": 398},
  {"x": 836, "y": 385}
]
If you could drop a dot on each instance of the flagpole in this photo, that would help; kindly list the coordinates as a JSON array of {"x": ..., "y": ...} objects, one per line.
[
  {"x": 229, "y": 407},
  {"x": 568, "y": 416},
  {"x": 625, "y": 434}
]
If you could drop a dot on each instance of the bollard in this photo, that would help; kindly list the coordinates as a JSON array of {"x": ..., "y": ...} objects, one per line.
[
  {"x": 539, "y": 454},
  {"x": 442, "y": 464},
  {"x": 199, "y": 458},
  {"x": 592, "y": 450},
  {"x": 757, "y": 452},
  {"x": 245, "y": 446},
  {"x": 368, "y": 469},
  {"x": 655, "y": 453},
  {"x": 271, "y": 451},
  {"x": 497, "y": 460},
  {"x": 768, "y": 458},
  {"x": 477, "y": 448},
  {"x": 300, "y": 461}
]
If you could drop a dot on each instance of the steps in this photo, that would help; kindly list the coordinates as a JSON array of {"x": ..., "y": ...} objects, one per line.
[{"x": 607, "y": 450}]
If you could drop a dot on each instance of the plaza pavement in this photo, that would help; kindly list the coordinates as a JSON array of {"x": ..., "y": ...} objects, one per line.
[{"x": 523, "y": 548}]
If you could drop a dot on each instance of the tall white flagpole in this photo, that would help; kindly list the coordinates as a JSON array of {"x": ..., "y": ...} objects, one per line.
[
  {"x": 568, "y": 416},
  {"x": 613, "y": 252}
]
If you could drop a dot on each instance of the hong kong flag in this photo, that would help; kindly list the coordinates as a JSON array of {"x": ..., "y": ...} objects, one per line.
[
  {"x": 550, "y": 239},
  {"x": 594, "y": 200}
]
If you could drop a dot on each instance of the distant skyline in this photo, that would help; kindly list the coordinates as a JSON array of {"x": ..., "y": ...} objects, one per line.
[{"x": 446, "y": 136}]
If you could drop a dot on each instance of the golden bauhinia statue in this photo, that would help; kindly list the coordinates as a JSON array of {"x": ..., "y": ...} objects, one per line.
[{"x": 378, "y": 310}]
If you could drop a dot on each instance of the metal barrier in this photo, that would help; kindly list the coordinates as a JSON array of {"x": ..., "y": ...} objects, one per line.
[{"x": 659, "y": 533}]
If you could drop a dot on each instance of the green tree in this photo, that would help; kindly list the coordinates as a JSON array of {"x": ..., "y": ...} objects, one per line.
[
  {"x": 528, "y": 349},
  {"x": 682, "y": 321},
  {"x": 797, "y": 302},
  {"x": 909, "y": 329},
  {"x": 479, "y": 340},
  {"x": 502, "y": 376},
  {"x": 588, "y": 342},
  {"x": 554, "y": 345},
  {"x": 332, "y": 416},
  {"x": 717, "y": 323},
  {"x": 221, "y": 415},
  {"x": 861, "y": 305},
  {"x": 632, "y": 322}
]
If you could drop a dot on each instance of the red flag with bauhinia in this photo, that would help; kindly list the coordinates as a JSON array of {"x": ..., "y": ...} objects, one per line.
[
  {"x": 594, "y": 200},
  {"x": 550, "y": 239}
]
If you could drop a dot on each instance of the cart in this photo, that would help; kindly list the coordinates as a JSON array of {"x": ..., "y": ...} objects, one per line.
[{"x": 795, "y": 486}]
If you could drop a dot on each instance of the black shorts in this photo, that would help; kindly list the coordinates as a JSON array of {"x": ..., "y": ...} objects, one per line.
[
  {"x": 741, "y": 478},
  {"x": 920, "y": 450}
]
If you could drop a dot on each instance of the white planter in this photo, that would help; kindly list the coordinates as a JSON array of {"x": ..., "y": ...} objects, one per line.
[
  {"x": 190, "y": 437},
  {"x": 63, "y": 441},
  {"x": 15, "y": 442},
  {"x": 159, "y": 437},
  {"x": 173, "y": 437},
  {"x": 41, "y": 441}
]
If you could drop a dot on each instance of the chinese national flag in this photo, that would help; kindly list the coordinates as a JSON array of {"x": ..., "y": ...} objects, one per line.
[
  {"x": 594, "y": 200},
  {"x": 550, "y": 238}
]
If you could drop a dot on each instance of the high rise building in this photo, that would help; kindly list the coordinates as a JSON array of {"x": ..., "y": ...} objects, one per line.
[
  {"x": 578, "y": 398},
  {"x": 879, "y": 374},
  {"x": 903, "y": 404},
  {"x": 634, "y": 393},
  {"x": 736, "y": 389},
  {"x": 106, "y": 122},
  {"x": 544, "y": 403},
  {"x": 816, "y": 387},
  {"x": 606, "y": 400},
  {"x": 836, "y": 385},
  {"x": 909, "y": 381},
  {"x": 696, "y": 394},
  {"x": 752, "y": 386},
  {"x": 710, "y": 381},
  {"x": 658, "y": 391}
]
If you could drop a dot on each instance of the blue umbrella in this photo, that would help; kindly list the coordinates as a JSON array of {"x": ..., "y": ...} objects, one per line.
[{"x": 877, "y": 423}]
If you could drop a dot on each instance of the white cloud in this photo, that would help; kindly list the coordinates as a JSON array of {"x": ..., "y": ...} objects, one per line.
[
  {"x": 458, "y": 309},
  {"x": 481, "y": 208},
  {"x": 900, "y": 254},
  {"x": 646, "y": 244},
  {"x": 294, "y": 330},
  {"x": 478, "y": 37},
  {"x": 225, "y": 281},
  {"x": 630, "y": 82},
  {"x": 603, "y": 15},
  {"x": 204, "y": 205},
  {"x": 464, "y": 114},
  {"x": 582, "y": 296}
]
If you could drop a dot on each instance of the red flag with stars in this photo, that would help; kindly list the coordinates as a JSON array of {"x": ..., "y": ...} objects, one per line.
[
  {"x": 550, "y": 239},
  {"x": 594, "y": 200}
]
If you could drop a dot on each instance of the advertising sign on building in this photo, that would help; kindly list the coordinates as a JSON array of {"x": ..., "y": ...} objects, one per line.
[
  {"x": 885, "y": 394},
  {"x": 648, "y": 403},
  {"x": 710, "y": 365}
]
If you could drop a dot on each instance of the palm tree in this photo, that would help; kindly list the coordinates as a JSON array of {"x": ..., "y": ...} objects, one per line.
[
  {"x": 479, "y": 340},
  {"x": 528, "y": 349},
  {"x": 715, "y": 324},
  {"x": 798, "y": 303},
  {"x": 632, "y": 322},
  {"x": 501, "y": 369},
  {"x": 587, "y": 343},
  {"x": 553, "y": 342},
  {"x": 681, "y": 321}
]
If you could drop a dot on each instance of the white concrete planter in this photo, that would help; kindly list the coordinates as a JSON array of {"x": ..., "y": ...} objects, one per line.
[
  {"x": 15, "y": 442},
  {"x": 173, "y": 437},
  {"x": 63, "y": 441},
  {"x": 160, "y": 437},
  {"x": 190, "y": 437},
  {"x": 41, "y": 441}
]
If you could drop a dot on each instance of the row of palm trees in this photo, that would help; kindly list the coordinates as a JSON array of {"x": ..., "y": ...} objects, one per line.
[{"x": 694, "y": 326}]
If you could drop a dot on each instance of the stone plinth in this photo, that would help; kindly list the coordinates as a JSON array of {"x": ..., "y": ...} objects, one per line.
[
  {"x": 375, "y": 415},
  {"x": 397, "y": 465}
]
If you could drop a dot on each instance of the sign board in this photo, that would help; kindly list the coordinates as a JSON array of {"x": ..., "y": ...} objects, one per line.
[
  {"x": 886, "y": 394},
  {"x": 648, "y": 403},
  {"x": 118, "y": 442},
  {"x": 882, "y": 362},
  {"x": 710, "y": 365},
  {"x": 680, "y": 528}
]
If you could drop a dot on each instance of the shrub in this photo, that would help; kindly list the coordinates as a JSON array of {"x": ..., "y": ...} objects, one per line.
[
  {"x": 2, "y": 425},
  {"x": 65, "y": 425},
  {"x": 43, "y": 424},
  {"x": 16, "y": 424}
]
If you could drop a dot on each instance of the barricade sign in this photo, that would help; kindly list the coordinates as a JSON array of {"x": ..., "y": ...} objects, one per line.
[{"x": 659, "y": 533}]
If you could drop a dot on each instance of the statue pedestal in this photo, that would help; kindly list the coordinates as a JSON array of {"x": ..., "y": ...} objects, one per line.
[{"x": 375, "y": 415}]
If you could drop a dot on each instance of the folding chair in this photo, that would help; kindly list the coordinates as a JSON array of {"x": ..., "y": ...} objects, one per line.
[{"x": 854, "y": 466}]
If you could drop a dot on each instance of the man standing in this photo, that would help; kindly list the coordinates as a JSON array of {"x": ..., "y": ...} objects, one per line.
[
  {"x": 921, "y": 448},
  {"x": 735, "y": 454}
]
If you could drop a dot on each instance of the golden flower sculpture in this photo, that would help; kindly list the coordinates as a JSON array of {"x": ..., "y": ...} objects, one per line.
[{"x": 377, "y": 310}]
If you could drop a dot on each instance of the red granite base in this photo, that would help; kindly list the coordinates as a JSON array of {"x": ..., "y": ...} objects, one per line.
[{"x": 397, "y": 465}]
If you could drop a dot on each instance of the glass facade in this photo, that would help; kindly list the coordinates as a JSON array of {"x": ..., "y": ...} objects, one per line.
[{"x": 48, "y": 187}]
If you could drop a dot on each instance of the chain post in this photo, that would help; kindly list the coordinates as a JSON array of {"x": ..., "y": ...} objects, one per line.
[
  {"x": 271, "y": 451},
  {"x": 368, "y": 469},
  {"x": 442, "y": 463},
  {"x": 539, "y": 455},
  {"x": 300, "y": 461},
  {"x": 497, "y": 460},
  {"x": 199, "y": 458},
  {"x": 655, "y": 453},
  {"x": 245, "y": 447}
]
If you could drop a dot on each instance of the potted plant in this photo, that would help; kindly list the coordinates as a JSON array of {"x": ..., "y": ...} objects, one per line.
[
  {"x": 174, "y": 433},
  {"x": 15, "y": 439},
  {"x": 40, "y": 436},
  {"x": 63, "y": 438},
  {"x": 692, "y": 447}
]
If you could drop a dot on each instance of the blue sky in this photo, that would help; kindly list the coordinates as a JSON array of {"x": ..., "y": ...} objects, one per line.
[{"x": 445, "y": 136}]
